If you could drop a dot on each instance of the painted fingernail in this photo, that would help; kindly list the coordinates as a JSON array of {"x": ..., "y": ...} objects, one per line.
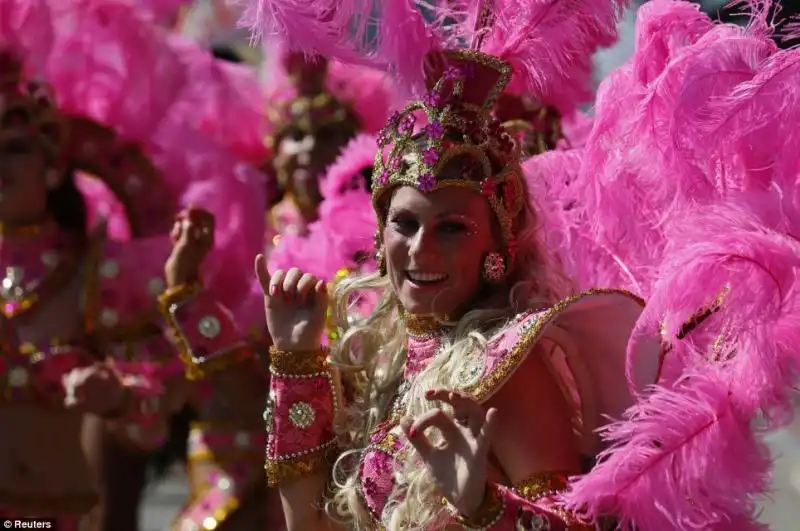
[
  {"x": 412, "y": 432},
  {"x": 429, "y": 393}
]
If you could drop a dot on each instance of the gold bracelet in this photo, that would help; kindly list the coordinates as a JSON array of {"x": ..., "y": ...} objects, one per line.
[
  {"x": 305, "y": 465},
  {"x": 487, "y": 513},
  {"x": 298, "y": 363}
]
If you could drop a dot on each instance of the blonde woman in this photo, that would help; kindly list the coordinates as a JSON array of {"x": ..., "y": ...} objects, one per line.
[{"x": 480, "y": 386}]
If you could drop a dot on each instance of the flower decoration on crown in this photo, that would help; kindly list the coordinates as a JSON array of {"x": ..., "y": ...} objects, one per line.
[{"x": 419, "y": 144}]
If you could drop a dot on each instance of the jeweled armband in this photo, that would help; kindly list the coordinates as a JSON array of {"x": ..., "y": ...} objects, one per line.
[
  {"x": 203, "y": 330},
  {"x": 503, "y": 509},
  {"x": 299, "y": 416}
]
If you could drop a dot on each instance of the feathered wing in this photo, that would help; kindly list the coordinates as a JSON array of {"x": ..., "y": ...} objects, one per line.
[{"x": 696, "y": 172}]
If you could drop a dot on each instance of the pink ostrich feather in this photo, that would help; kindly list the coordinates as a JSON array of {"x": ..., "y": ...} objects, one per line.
[
  {"x": 107, "y": 62},
  {"x": 224, "y": 100},
  {"x": 342, "y": 237},
  {"x": 649, "y": 155},
  {"x": 683, "y": 458},
  {"x": 749, "y": 246},
  {"x": 549, "y": 42}
]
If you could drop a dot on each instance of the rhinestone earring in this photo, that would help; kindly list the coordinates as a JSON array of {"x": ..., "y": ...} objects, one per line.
[{"x": 494, "y": 268}]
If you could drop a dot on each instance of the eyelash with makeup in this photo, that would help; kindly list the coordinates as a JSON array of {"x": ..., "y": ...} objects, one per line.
[{"x": 465, "y": 226}]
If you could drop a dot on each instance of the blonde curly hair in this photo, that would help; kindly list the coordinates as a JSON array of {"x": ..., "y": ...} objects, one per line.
[{"x": 372, "y": 354}]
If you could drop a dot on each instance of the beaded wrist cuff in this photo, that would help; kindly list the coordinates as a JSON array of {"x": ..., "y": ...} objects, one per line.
[
  {"x": 297, "y": 363},
  {"x": 504, "y": 509},
  {"x": 203, "y": 331},
  {"x": 299, "y": 416}
]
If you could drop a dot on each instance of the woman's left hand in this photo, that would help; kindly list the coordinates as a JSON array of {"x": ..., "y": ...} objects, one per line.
[
  {"x": 459, "y": 461},
  {"x": 96, "y": 389},
  {"x": 192, "y": 239}
]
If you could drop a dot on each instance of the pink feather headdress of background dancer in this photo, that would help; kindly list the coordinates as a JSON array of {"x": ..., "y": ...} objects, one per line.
[
  {"x": 342, "y": 236},
  {"x": 548, "y": 43},
  {"x": 116, "y": 83}
]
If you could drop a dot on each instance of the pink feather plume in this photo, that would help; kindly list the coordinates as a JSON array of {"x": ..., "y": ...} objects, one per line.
[
  {"x": 549, "y": 42},
  {"x": 683, "y": 458},
  {"x": 342, "y": 237}
]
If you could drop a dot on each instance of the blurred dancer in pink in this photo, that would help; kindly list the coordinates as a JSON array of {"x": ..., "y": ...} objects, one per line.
[{"x": 127, "y": 377}]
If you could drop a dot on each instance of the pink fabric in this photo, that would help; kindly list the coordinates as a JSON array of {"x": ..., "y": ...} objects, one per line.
[
  {"x": 286, "y": 438},
  {"x": 208, "y": 328},
  {"x": 25, "y": 380},
  {"x": 131, "y": 276},
  {"x": 232, "y": 481}
]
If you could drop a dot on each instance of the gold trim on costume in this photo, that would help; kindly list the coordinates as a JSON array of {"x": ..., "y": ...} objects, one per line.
[
  {"x": 297, "y": 363},
  {"x": 488, "y": 384},
  {"x": 304, "y": 465}
]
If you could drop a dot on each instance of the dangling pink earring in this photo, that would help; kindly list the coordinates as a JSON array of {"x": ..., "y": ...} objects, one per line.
[{"x": 494, "y": 267}]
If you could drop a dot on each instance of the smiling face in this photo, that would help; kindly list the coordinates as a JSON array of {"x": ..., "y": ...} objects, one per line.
[
  {"x": 302, "y": 159},
  {"x": 435, "y": 245}
]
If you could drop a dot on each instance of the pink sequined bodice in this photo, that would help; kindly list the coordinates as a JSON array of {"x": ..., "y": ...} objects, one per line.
[
  {"x": 478, "y": 376},
  {"x": 35, "y": 266},
  {"x": 376, "y": 470}
]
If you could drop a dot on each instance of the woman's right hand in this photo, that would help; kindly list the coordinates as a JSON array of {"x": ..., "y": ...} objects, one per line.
[{"x": 296, "y": 305}]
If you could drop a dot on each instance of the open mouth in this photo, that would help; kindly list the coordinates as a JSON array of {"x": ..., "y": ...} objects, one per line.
[{"x": 420, "y": 278}]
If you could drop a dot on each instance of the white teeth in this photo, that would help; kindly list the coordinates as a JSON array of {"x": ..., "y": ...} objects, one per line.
[{"x": 426, "y": 277}]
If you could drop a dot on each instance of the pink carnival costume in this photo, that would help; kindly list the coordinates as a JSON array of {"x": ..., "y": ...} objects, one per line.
[
  {"x": 584, "y": 336},
  {"x": 108, "y": 70}
]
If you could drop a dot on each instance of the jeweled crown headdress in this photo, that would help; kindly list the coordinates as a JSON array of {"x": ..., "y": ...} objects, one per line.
[
  {"x": 312, "y": 108},
  {"x": 454, "y": 120}
]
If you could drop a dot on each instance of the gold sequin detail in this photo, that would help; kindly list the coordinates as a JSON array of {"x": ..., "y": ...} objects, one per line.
[
  {"x": 542, "y": 485},
  {"x": 305, "y": 465},
  {"x": 297, "y": 363},
  {"x": 530, "y": 335},
  {"x": 302, "y": 415},
  {"x": 423, "y": 326}
]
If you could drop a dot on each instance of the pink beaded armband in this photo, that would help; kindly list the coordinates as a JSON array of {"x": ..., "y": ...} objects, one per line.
[
  {"x": 299, "y": 416},
  {"x": 203, "y": 330}
]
